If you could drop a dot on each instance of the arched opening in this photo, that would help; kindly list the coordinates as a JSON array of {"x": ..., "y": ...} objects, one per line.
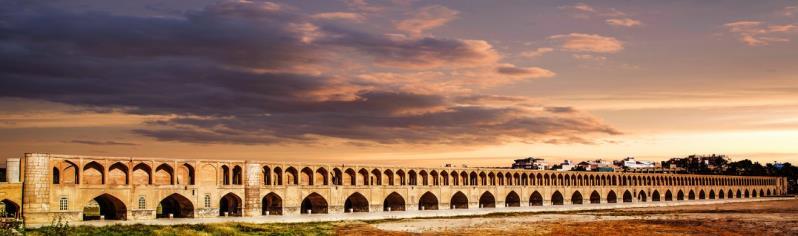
[
  {"x": 393, "y": 202},
  {"x": 237, "y": 179},
  {"x": 175, "y": 205},
  {"x": 117, "y": 174},
  {"x": 93, "y": 173},
  {"x": 702, "y": 195},
  {"x": 272, "y": 204},
  {"x": 225, "y": 175},
  {"x": 655, "y": 196},
  {"x": 9, "y": 208},
  {"x": 459, "y": 201},
  {"x": 512, "y": 199},
  {"x": 627, "y": 196},
  {"x": 753, "y": 193},
  {"x": 576, "y": 198},
  {"x": 350, "y": 177},
  {"x": 185, "y": 174},
  {"x": 164, "y": 175},
  {"x": 291, "y": 176},
  {"x": 321, "y": 177},
  {"x": 428, "y": 201},
  {"x": 642, "y": 196},
  {"x": 356, "y": 203},
  {"x": 56, "y": 176},
  {"x": 314, "y": 204},
  {"x": 141, "y": 174},
  {"x": 711, "y": 194},
  {"x": 69, "y": 175},
  {"x": 746, "y": 194},
  {"x": 556, "y": 198},
  {"x": 611, "y": 197},
  {"x": 487, "y": 200},
  {"x": 595, "y": 198},
  {"x": 691, "y": 195},
  {"x": 761, "y": 193},
  {"x": 739, "y": 194},
  {"x": 721, "y": 194},
  {"x": 536, "y": 199},
  {"x": 680, "y": 195},
  {"x": 364, "y": 177},
  {"x": 230, "y": 204},
  {"x": 105, "y": 205},
  {"x": 306, "y": 176},
  {"x": 668, "y": 195}
]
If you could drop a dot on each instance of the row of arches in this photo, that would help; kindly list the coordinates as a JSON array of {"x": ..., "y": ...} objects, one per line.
[
  {"x": 363, "y": 176},
  {"x": 119, "y": 173},
  {"x": 178, "y": 206}
]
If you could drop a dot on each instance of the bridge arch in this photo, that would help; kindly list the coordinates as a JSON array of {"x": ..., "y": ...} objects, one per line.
[
  {"x": 177, "y": 205},
  {"x": 642, "y": 196},
  {"x": 11, "y": 208},
  {"x": 595, "y": 198},
  {"x": 356, "y": 202},
  {"x": 512, "y": 200},
  {"x": 314, "y": 203},
  {"x": 428, "y": 201},
  {"x": 272, "y": 204},
  {"x": 702, "y": 195},
  {"x": 711, "y": 194},
  {"x": 487, "y": 200},
  {"x": 668, "y": 195},
  {"x": 556, "y": 198},
  {"x": 536, "y": 199},
  {"x": 230, "y": 204},
  {"x": 611, "y": 197},
  {"x": 107, "y": 205},
  {"x": 459, "y": 201},
  {"x": 680, "y": 196},
  {"x": 394, "y": 202},
  {"x": 691, "y": 195},
  {"x": 576, "y": 198},
  {"x": 627, "y": 196}
]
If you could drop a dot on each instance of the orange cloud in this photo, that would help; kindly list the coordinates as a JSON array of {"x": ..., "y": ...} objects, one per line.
[
  {"x": 579, "y": 42},
  {"x": 625, "y": 22},
  {"x": 527, "y": 72},
  {"x": 757, "y": 33},
  {"x": 427, "y": 18},
  {"x": 536, "y": 53},
  {"x": 349, "y": 16}
]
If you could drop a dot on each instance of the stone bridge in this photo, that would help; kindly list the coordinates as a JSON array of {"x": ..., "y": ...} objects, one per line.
[{"x": 129, "y": 188}]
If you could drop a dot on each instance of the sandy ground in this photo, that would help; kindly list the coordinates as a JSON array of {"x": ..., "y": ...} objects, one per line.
[{"x": 745, "y": 218}]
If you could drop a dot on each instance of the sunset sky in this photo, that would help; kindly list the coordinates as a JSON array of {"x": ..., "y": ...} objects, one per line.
[{"x": 400, "y": 82}]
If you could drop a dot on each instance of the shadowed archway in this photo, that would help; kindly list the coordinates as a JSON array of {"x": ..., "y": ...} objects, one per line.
[
  {"x": 393, "y": 202},
  {"x": 428, "y": 201},
  {"x": 314, "y": 204}
]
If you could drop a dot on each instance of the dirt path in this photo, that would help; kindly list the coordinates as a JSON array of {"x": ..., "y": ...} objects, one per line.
[{"x": 750, "y": 218}]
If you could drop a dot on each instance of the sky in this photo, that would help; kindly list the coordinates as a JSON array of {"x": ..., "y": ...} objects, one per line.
[{"x": 400, "y": 82}]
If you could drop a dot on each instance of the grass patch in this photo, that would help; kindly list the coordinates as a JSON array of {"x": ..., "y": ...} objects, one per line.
[{"x": 322, "y": 228}]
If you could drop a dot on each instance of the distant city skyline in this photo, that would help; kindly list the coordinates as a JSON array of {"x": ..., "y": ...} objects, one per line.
[{"x": 418, "y": 83}]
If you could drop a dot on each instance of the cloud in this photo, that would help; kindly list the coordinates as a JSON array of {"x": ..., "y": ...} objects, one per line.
[
  {"x": 580, "y": 7},
  {"x": 537, "y": 52},
  {"x": 560, "y": 109},
  {"x": 589, "y": 57},
  {"x": 427, "y": 18},
  {"x": 529, "y": 72},
  {"x": 790, "y": 11},
  {"x": 425, "y": 52},
  {"x": 625, "y": 22},
  {"x": 757, "y": 33},
  {"x": 578, "y": 42},
  {"x": 236, "y": 72},
  {"x": 348, "y": 16},
  {"x": 614, "y": 17},
  {"x": 102, "y": 143}
]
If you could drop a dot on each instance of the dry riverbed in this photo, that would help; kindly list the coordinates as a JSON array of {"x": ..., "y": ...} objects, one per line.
[{"x": 748, "y": 218}]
